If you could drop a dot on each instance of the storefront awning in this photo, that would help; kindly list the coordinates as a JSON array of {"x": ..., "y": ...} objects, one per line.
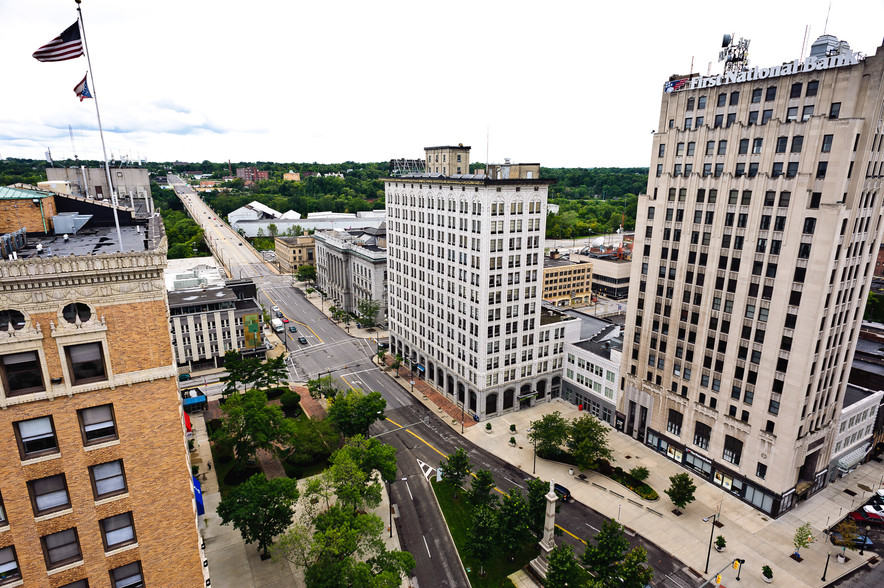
[
  {"x": 853, "y": 458},
  {"x": 198, "y": 494}
]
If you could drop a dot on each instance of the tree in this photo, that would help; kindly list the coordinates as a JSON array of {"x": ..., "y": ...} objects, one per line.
[
  {"x": 537, "y": 491},
  {"x": 353, "y": 411},
  {"x": 513, "y": 521},
  {"x": 357, "y": 469},
  {"x": 549, "y": 433},
  {"x": 307, "y": 273},
  {"x": 608, "y": 549},
  {"x": 260, "y": 508},
  {"x": 482, "y": 535},
  {"x": 633, "y": 571},
  {"x": 803, "y": 537},
  {"x": 368, "y": 311},
  {"x": 271, "y": 372},
  {"x": 322, "y": 386},
  {"x": 562, "y": 568},
  {"x": 338, "y": 548},
  {"x": 239, "y": 371},
  {"x": 456, "y": 467},
  {"x": 251, "y": 424},
  {"x": 273, "y": 230},
  {"x": 479, "y": 493},
  {"x": 681, "y": 490},
  {"x": 381, "y": 354},
  {"x": 849, "y": 535},
  {"x": 588, "y": 441}
]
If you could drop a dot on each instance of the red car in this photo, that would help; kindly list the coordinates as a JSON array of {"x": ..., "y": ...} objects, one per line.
[{"x": 285, "y": 320}]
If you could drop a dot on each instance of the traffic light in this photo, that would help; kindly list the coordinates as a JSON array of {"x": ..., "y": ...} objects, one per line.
[
  {"x": 736, "y": 564},
  {"x": 718, "y": 579}
]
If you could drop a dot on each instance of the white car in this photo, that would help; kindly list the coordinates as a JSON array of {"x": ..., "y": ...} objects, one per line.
[
  {"x": 875, "y": 509},
  {"x": 880, "y": 492},
  {"x": 274, "y": 309}
]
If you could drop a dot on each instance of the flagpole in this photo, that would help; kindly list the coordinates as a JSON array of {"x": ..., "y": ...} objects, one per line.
[{"x": 110, "y": 184}]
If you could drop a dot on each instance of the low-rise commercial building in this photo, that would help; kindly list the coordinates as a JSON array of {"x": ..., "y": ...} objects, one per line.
[
  {"x": 293, "y": 252},
  {"x": 592, "y": 373},
  {"x": 566, "y": 282}
]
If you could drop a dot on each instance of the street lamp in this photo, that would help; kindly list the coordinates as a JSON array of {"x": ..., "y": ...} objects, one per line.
[
  {"x": 534, "y": 469},
  {"x": 826, "y": 569},
  {"x": 412, "y": 387},
  {"x": 865, "y": 538},
  {"x": 711, "y": 533}
]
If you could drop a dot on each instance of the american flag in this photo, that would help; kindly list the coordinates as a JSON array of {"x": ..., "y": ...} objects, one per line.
[
  {"x": 82, "y": 89},
  {"x": 67, "y": 45}
]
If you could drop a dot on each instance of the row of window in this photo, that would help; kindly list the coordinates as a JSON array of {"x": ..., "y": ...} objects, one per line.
[
  {"x": 36, "y": 437},
  {"x": 766, "y": 116},
  {"x": 15, "y": 319},
  {"x": 64, "y": 546},
  {"x": 770, "y": 94},
  {"x": 22, "y": 373}
]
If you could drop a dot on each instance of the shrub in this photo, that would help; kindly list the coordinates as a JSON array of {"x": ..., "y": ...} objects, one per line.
[
  {"x": 766, "y": 572},
  {"x": 290, "y": 399},
  {"x": 487, "y": 426},
  {"x": 276, "y": 392},
  {"x": 640, "y": 473},
  {"x": 512, "y": 428}
]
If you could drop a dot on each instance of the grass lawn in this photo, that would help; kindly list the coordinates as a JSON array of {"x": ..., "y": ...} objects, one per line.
[{"x": 457, "y": 516}]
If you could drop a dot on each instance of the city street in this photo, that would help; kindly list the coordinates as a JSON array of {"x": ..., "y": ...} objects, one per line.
[{"x": 330, "y": 350}]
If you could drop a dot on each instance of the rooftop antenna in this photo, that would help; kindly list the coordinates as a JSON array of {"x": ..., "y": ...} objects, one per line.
[
  {"x": 487, "y": 141},
  {"x": 734, "y": 53},
  {"x": 804, "y": 43},
  {"x": 829, "y": 11}
]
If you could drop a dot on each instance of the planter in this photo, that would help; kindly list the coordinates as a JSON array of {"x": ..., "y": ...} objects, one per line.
[
  {"x": 841, "y": 558},
  {"x": 720, "y": 549},
  {"x": 766, "y": 579}
]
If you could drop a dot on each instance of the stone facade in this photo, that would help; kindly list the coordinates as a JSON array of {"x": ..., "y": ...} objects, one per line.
[
  {"x": 63, "y": 308},
  {"x": 566, "y": 283},
  {"x": 293, "y": 252},
  {"x": 351, "y": 267},
  {"x": 754, "y": 250}
]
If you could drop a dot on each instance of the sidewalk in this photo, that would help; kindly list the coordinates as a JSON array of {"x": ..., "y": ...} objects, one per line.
[
  {"x": 233, "y": 563},
  {"x": 750, "y": 534},
  {"x": 315, "y": 298}
]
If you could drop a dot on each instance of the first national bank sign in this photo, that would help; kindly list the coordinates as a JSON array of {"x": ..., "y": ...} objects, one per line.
[{"x": 761, "y": 73}]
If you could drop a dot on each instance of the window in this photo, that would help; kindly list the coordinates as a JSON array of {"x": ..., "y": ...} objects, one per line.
[
  {"x": 771, "y": 94},
  {"x": 707, "y": 169},
  {"x": 733, "y": 450},
  {"x": 744, "y": 147},
  {"x": 809, "y": 226},
  {"x": 710, "y": 147},
  {"x": 753, "y": 170},
  {"x": 36, "y": 437},
  {"x": 756, "y": 95},
  {"x": 796, "y": 90},
  {"x": 49, "y": 494},
  {"x": 85, "y": 363},
  {"x": 756, "y": 145},
  {"x": 77, "y": 584},
  {"x": 691, "y": 147},
  {"x": 675, "y": 421},
  {"x": 76, "y": 310},
  {"x": 9, "y": 571},
  {"x": 3, "y": 520},
  {"x": 117, "y": 531},
  {"x": 761, "y": 470},
  {"x": 688, "y": 121},
  {"x": 679, "y": 148},
  {"x": 782, "y": 143},
  {"x": 835, "y": 110},
  {"x": 741, "y": 170},
  {"x": 699, "y": 122},
  {"x": 108, "y": 479},
  {"x": 690, "y": 105},
  {"x": 701, "y": 102},
  {"x": 735, "y": 98},
  {"x": 127, "y": 576},
  {"x": 806, "y": 113},
  {"x": 753, "y": 117},
  {"x": 97, "y": 424},
  {"x": 702, "y": 433},
  {"x": 827, "y": 143},
  {"x": 659, "y": 169},
  {"x": 821, "y": 169},
  {"x": 797, "y": 143},
  {"x": 61, "y": 548},
  {"x": 719, "y": 169},
  {"x": 792, "y": 114},
  {"x": 722, "y": 99},
  {"x": 722, "y": 147},
  {"x": 766, "y": 116},
  {"x": 777, "y": 169},
  {"x": 792, "y": 169},
  {"x": 662, "y": 150},
  {"x": 812, "y": 87},
  {"x": 21, "y": 373},
  {"x": 719, "y": 119}
]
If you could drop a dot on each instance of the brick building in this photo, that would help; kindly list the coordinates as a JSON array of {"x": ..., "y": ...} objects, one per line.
[
  {"x": 293, "y": 252},
  {"x": 251, "y": 174},
  {"x": 566, "y": 282},
  {"x": 94, "y": 477}
]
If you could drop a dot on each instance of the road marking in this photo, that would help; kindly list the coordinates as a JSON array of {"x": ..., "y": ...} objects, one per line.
[
  {"x": 564, "y": 530},
  {"x": 409, "y": 490},
  {"x": 348, "y": 383},
  {"x": 513, "y": 483},
  {"x": 426, "y": 468},
  {"x": 591, "y": 527},
  {"x": 274, "y": 303},
  {"x": 421, "y": 439},
  {"x": 427, "y": 545}
]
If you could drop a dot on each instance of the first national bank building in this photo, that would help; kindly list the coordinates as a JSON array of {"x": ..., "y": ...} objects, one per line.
[{"x": 753, "y": 256}]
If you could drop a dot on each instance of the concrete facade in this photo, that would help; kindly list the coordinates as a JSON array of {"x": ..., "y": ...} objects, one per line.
[
  {"x": 751, "y": 271},
  {"x": 465, "y": 266},
  {"x": 91, "y": 420},
  {"x": 856, "y": 423},
  {"x": 351, "y": 267},
  {"x": 448, "y": 160},
  {"x": 592, "y": 374},
  {"x": 293, "y": 252}
]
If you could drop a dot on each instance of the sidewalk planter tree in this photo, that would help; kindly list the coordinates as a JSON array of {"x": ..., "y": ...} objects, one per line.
[
  {"x": 766, "y": 574},
  {"x": 488, "y": 427},
  {"x": 512, "y": 428},
  {"x": 681, "y": 491},
  {"x": 720, "y": 543},
  {"x": 803, "y": 538},
  {"x": 260, "y": 509},
  {"x": 849, "y": 533}
]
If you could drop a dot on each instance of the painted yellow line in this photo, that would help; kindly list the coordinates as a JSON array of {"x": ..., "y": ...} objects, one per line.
[
  {"x": 270, "y": 298},
  {"x": 421, "y": 439},
  {"x": 564, "y": 530},
  {"x": 351, "y": 385}
]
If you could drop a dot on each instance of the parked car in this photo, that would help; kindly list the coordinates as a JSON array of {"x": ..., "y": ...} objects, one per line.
[
  {"x": 875, "y": 509},
  {"x": 183, "y": 377},
  {"x": 562, "y": 492},
  {"x": 859, "y": 540},
  {"x": 274, "y": 309},
  {"x": 278, "y": 313},
  {"x": 293, "y": 328},
  {"x": 861, "y": 516},
  {"x": 284, "y": 319},
  {"x": 302, "y": 340}
]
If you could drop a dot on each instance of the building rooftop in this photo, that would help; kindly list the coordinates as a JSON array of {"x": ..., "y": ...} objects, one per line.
[
  {"x": 178, "y": 298},
  {"x": 603, "y": 342},
  {"x": 559, "y": 262},
  {"x": 88, "y": 241},
  {"x": 11, "y": 193},
  {"x": 855, "y": 394}
]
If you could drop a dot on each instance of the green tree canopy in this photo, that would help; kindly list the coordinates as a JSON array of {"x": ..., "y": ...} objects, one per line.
[
  {"x": 681, "y": 490},
  {"x": 250, "y": 424},
  {"x": 259, "y": 508},
  {"x": 550, "y": 432},
  {"x": 479, "y": 493},
  {"x": 353, "y": 411},
  {"x": 358, "y": 468},
  {"x": 563, "y": 571},
  {"x": 368, "y": 311},
  {"x": 456, "y": 467},
  {"x": 307, "y": 273},
  {"x": 513, "y": 521},
  {"x": 605, "y": 551},
  {"x": 323, "y": 386},
  {"x": 537, "y": 491},
  {"x": 588, "y": 441},
  {"x": 482, "y": 535}
]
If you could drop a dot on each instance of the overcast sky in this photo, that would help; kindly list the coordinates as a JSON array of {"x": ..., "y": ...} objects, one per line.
[{"x": 574, "y": 84}]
